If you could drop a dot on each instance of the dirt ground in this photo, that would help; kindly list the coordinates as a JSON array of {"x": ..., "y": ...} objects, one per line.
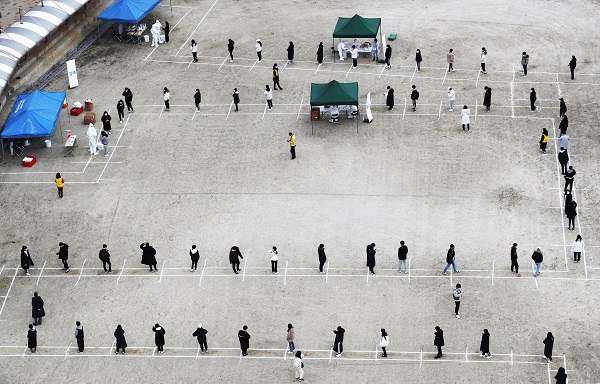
[{"x": 216, "y": 178}]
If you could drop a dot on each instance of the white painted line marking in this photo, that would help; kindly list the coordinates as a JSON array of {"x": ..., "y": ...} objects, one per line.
[
  {"x": 477, "y": 82},
  {"x": 80, "y": 272},
  {"x": 349, "y": 69},
  {"x": 264, "y": 111},
  {"x": 404, "y": 112},
  {"x": 111, "y": 348},
  {"x": 41, "y": 271},
  {"x": 202, "y": 274},
  {"x": 299, "y": 109},
  {"x": 162, "y": 268},
  {"x": 244, "y": 272},
  {"x": 445, "y": 74},
  {"x": 121, "y": 273},
  {"x": 146, "y": 58},
  {"x": 318, "y": 66},
  {"x": 9, "y": 289},
  {"x": 476, "y": 107},
  {"x": 285, "y": 273},
  {"x": 195, "y": 29},
  {"x": 67, "y": 351},
  {"x": 251, "y": 68},
  {"x": 440, "y": 112},
  {"x": 413, "y": 75}
]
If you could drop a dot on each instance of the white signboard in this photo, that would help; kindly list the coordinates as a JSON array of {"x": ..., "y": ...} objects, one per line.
[{"x": 72, "y": 72}]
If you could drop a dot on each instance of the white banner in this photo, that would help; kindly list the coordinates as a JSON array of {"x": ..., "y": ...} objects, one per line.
[{"x": 72, "y": 73}]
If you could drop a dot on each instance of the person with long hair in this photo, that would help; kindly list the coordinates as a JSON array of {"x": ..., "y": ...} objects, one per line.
[
  {"x": 194, "y": 51},
  {"x": 577, "y": 248},
  {"x": 384, "y": 341}
]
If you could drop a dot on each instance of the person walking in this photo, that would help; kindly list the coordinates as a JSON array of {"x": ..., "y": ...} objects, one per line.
[
  {"x": 244, "y": 338},
  {"x": 354, "y": 55},
  {"x": 258, "y": 47},
  {"x": 276, "y": 78},
  {"x": 269, "y": 97},
  {"x": 384, "y": 341},
  {"x": 290, "y": 53},
  {"x": 320, "y": 53},
  {"x": 389, "y": 98},
  {"x": 290, "y": 338},
  {"x": 299, "y": 366},
  {"x": 561, "y": 376},
  {"x": 195, "y": 256},
  {"x": 60, "y": 184},
  {"x": 572, "y": 65},
  {"x": 371, "y": 251},
  {"x": 26, "y": 261},
  {"x": 120, "y": 343},
  {"x": 292, "y": 141},
  {"x": 465, "y": 118},
  {"x": 32, "y": 338},
  {"x": 514, "y": 264},
  {"x": 569, "y": 177},
  {"x": 532, "y": 99},
  {"x": 418, "y": 59},
  {"x": 438, "y": 341},
  {"x": 414, "y": 96},
  {"x": 563, "y": 125},
  {"x": 375, "y": 50},
  {"x": 104, "y": 256},
  {"x": 121, "y": 110},
  {"x": 484, "y": 346},
  {"x": 525, "y": 63},
  {"x": 37, "y": 309},
  {"x": 548, "y": 346},
  {"x": 562, "y": 107},
  {"x": 104, "y": 140},
  {"x": 200, "y": 334},
  {"x": 388, "y": 56},
  {"x": 563, "y": 159},
  {"x": 571, "y": 213},
  {"x": 236, "y": 98},
  {"x": 106, "y": 118},
  {"x": 450, "y": 260},
  {"x": 159, "y": 337},
  {"x": 483, "y": 60},
  {"x": 197, "y": 99},
  {"x": 194, "y": 49},
  {"x": 451, "y": 98},
  {"x": 538, "y": 258},
  {"x": 92, "y": 137},
  {"x": 402, "y": 256},
  {"x": 487, "y": 98},
  {"x": 166, "y": 97},
  {"x": 167, "y": 29},
  {"x": 149, "y": 256},
  {"x": 544, "y": 140},
  {"x": 450, "y": 60},
  {"x": 128, "y": 99},
  {"x": 273, "y": 255},
  {"x": 577, "y": 248},
  {"x": 457, "y": 296},
  {"x": 322, "y": 257},
  {"x": 63, "y": 255},
  {"x": 230, "y": 47},
  {"x": 234, "y": 258},
  {"x": 563, "y": 141},
  {"x": 79, "y": 335},
  {"x": 338, "y": 342}
]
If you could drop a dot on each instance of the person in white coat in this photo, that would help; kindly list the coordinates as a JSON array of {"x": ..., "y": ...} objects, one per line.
[
  {"x": 483, "y": 60},
  {"x": 465, "y": 118},
  {"x": 155, "y": 32},
  {"x": 92, "y": 136},
  {"x": 452, "y": 98},
  {"x": 273, "y": 254},
  {"x": 341, "y": 49},
  {"x": 577, "y": 249},
  {"x": 384, "y": 341},
  {"x": 166, "y": 98},
  {"x": 299, "y": 366},
  {"x": 258, "y": 47}
]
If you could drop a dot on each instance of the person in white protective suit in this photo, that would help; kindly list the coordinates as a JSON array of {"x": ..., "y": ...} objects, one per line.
[
  {"x": 92, "y": 137},
  {"x": 155, "y": 31},
  {"x": 342, "y": 49}
]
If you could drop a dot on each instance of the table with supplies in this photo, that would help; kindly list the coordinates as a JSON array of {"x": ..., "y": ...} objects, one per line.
[{"x": 71, "y": 144}]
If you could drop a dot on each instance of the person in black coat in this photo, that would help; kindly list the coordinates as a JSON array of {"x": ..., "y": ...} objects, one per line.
[
  {"x": 197, "y": 99},
  {"x": 236, "y": 98},
  {"x": 548, "y": 346},
  {"x": 514, "y": 264},
  {"x": 571, "y": 213},
  {"x": 200, "y": 334},
  {"x": 121, "y": 343},
  {"x": 322, "y": 257},
  {"x": 37, "y": 309},
  {"x": 371, "y": 251},
  {"x": 32, "y": 338},
  {"x": 320, "y": 53},
  {"x": 121, "y": 110},
  {"x": 562, "y": 107},
  {"x": 561, "y": 376},
  {"x": 149, "y": 256},
  {"x": 338, "y": 343},
  {"x": 389, "y": 98},
  {"x": 533, "y": 99},
  {"x": 290, "y": 52},
  {"x": 414, "y": 96},
  {"x": 569, "y": 178},
  {"x": 63, "y": 255},
  {"x": 80, "y": 336},
  {"x": 106, "y": 122},
  {"x": 388, "y": 56},
  {"x": 159, "y": 337},
  {"x": 167, "y": 29},
  {"x": 234, "y": 258},
  {"x": 563, "y": 159},
  {"x": 487, "y": 98},
  {"x": 195, "y": 256},
  {"x": 244, "y": 338},
  {"x": 230, "y": 46},
  {"x": 450, "y": 260},
  {"x": 26, "y": 261},
  {"x": 572, "y": 65},
  {"x": 438, "y": 341},
  {"x": 104, "y": 256},
  {"x": 128, "y": 99},
  {"x": 418, "y": 59},
  {"x": 563, "y": 125},
  {"x": 484, "y": 347},
  {"x": 568, "y": 200}
]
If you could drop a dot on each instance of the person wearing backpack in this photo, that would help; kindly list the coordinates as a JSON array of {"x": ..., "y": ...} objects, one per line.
[{"x": 414, "y": 96}]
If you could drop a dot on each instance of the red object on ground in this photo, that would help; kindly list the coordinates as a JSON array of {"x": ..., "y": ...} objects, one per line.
[
  {"x": 29, "y": 161},
  {"x": 76, "y": 111}
]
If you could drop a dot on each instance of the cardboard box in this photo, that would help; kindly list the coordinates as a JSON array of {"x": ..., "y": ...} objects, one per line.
[
  {"x": 89, "y": 106},
  {"x": 29, "y": 161},
  {"x": 76, "y": 111},
  {"x": 315, "y": 114},
  {"x": 89, "y": 117}
]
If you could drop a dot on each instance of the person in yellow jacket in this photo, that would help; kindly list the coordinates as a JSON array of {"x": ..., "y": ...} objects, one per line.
[
  {"x": 544, "y": 140},
  {"x": 60, "y": 183},
  {"x": 292, "y": 141}
]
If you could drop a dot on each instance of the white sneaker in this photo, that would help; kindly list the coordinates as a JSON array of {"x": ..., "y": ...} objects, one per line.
[
  {"x": 191, "y": 269},
  {"x": 458, "y": 316},
  {"x": 451, "y": 110},
  {"x": 28, "y": 274},
  {"x": 405, "y": 271}
]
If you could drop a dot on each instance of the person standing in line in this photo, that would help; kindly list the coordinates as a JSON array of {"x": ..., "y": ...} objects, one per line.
[
  {"x": 538, "y": 258},
  {"x": 234, "y": 258},
  {"x": 149, "y": 256},
  {"x": 450, "y": 260},
  {"x": 290, "y": 338},
  {"x": 375, "y": 50},
  {"x": 402, "y": 256},
  {"x": 563, "y": 141},
  {"x": 273, "y": 254},
  {"x": 159, "y": 338},
  {"x": 465, "y": 118},
  {"x": 167, "y": 29},
  {"x": 26, "y": 261},
  {"x": 388, "y": 56},
  {"x": 561, "y": 376},
  {"x": 452, "y": 98},
  {"x": 389, "y": 98},
  {"x": 104, "y": 256},
  {"x": 532, "y": 99},
  {"x": 276, "y": 78},
  {"x": 569, "y": 177},
  {"x": 92, "y": 137},
  {"x": 299, "y": 366},
  {"x": 166, "y": 97},
  {"x": 414, "y": 96},
  {"x": 32, "y": 338},
  {"x": 121, "y": 110},
  {"x": 577, "y": 248},
  {"x": 450, "y": 60},
  {"x": 457, "y": 296},
  {"x": 418, "y": 59},
  {"x": 483, "y": 60},
  {"x": 354, "y": 54},
  {"x": 568, "y": 200},
  {"x": 563, "y": 125},
  {"x": 290, "y": 53},
  {"x": 269, "y": 97},
  {"x": 37, "y": 309},
  {"x": 562, "y": 107},
  {"x": 292, "y": 141},
  {"x": 63, "y": 255},
  {"x": 244, "y": 338},
  {"x": 120, "y": 343},
  {"x": 525, "y": 63},
  {"x": 487, "y": 98},
  {"x": 484, "y": 347},
  {"x": 195, "y": 256},
  {"x": 384, "y": 341},
  {"x": 322, "y": 257},
  {"x": 230, "y": 47},
  {"x": 128, "y": 99},
  {"x": 200, "y": 334},
  {"x": 194, "y": 51},
  {"x": 155, "y": 32},
  {"x": 514, "y": 264},
  {"x": 572, "y": 65},
  {"x": 563, "y": 159},
  {"x": 371, "y": 251},
  {"x": 104, "y": 140},
  {"x": 338, "y": 343},
  {"x": 341, "y": 49},
  {"x": 79, "y": 335},
  {"x": 258, "y": 47},
  {"x": 571, "y": 213},
  {"x": 320, "y": 53},
  {"x": 548, "y": 346},
  {"x": 236, "y": 98},
  {"x": 106, "y": 118},
  {"x": 438, "y": 341},
  {"x": 544, "y": 140},
  {"x": 197, "y": 99}
]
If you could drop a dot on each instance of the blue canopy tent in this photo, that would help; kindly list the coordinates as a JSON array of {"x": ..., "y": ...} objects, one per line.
[{"x": 128, "y": 11}]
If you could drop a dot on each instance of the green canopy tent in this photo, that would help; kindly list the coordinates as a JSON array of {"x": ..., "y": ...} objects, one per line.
[
  {"x": 357, "y": 26},
  {"x": 334, "y": 93}
]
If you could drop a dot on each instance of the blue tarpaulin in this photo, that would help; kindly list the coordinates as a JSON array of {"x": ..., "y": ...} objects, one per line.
[
  {"x": 34, "y": 115},
  {"x": 128, "y": 11}
]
